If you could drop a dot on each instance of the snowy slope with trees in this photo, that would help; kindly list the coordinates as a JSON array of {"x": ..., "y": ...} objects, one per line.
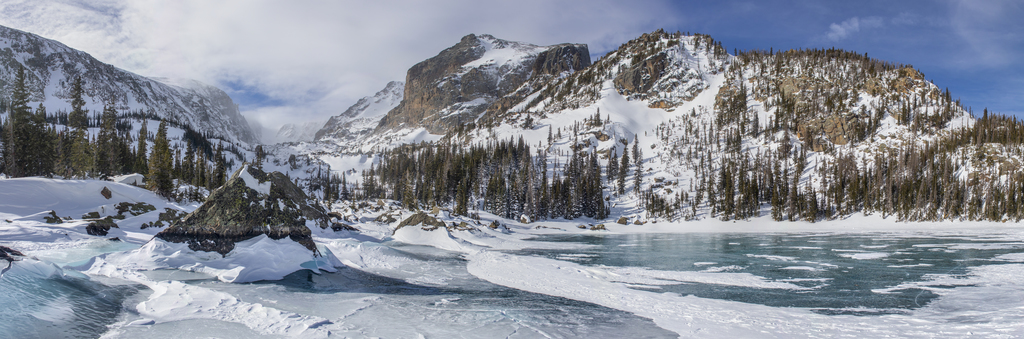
[
  {"x": 672, "y": 127},
  {"x": 52, "y": 67}
]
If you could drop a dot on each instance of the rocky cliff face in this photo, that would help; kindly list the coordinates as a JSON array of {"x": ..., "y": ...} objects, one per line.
[
  {"x": 51, "y": 67},
  {"x": 462, "y": 82},
  {"x": 251, "y": 203}
]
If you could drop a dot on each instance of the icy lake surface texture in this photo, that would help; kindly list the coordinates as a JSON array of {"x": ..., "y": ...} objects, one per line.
[
  {"x": 868, "y": 284},
  {"x": 866, "y": 274}
]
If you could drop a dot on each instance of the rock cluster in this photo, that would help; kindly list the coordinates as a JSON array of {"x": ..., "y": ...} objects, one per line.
[
  {"x": 837, "y": 129},
  {"x": 429, "y": 223}
]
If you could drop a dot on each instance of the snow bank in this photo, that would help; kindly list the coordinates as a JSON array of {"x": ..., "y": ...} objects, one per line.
[
  {"x": 259, "y": 258},
  {"x": 26, "y": 196},
  {"x": 128, "y": 179},
  {"x": 176, "y": 301},
  {"x": 439, "y": 238}
]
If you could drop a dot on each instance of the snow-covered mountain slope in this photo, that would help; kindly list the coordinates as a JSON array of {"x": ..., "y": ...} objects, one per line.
[
  {"x": 298, "y": 132},
  {"x": 802, "y": 122},
  {"x": 51, "y": 67},
  {"x": 362, "y": 118}
]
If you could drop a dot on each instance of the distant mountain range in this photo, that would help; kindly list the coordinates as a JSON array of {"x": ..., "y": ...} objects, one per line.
[{"x": 810, "y": 133}]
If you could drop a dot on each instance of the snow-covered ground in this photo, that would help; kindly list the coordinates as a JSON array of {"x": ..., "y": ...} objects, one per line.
[{"x": 409, "y": 282}]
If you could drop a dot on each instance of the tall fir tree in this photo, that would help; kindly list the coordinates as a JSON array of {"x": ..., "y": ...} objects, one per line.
[
  {"x": 217, "y": 178},
  {"x": 80, "y": 150},
  {"x": 141, "y": 158},
  {"x": 161, "y": 163},
  {"x": 18, "y": 137},
  {"x": 623, "y": 168},
  {"x": 638, "y": 161},
  {"x": 613, "y": 166},
  {"x": 42, "y": 146},
  {"x": 107, "y": 151},
  {"x": 78, "y": 118}
]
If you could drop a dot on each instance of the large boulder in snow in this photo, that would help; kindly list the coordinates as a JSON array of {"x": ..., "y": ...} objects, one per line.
[
  {"x": 429, "y": 223},
  {"x": 251, "y": 203}
]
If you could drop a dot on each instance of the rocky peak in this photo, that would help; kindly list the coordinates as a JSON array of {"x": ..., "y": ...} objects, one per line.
[
  {"x": 251, "y": 203},
  {"x": 465, "y": 80}
]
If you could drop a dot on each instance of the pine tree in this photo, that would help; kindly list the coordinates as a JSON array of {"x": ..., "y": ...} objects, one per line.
[
  {"x": 43, "y": 145},
  {"x": 220, "y": 171},
  {"x": 161, "y": 163},
  {"x": 344, "y": 194},
  {"x": 18, "y": 137},
  {"x": 638, "y": 158},
  {"x": 258, "y": 160},
  {"x": 78, "y": 118},
  {"x": 80, "y": 150},
  {"x": 623, "y": 168},
  {"x": 141, "y": 162},
  {"x": 408, "y": 193},
  {"x": 107, "y": 152},
  {"x": 613, "y": 166}
]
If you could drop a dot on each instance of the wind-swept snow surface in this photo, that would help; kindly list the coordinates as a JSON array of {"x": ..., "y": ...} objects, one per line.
[{"x": 709, "y": 279}]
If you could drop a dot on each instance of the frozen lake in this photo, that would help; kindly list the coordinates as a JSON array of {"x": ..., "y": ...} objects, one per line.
[
  {"x": 579, "y": 285},
  {"x": 840, "y": 273}
]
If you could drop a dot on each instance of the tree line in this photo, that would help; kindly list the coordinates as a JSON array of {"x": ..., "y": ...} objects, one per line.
[{"x": 35, "y": 145}]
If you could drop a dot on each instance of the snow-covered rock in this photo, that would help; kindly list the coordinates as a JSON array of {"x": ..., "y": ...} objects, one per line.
[{"x": 252, "y": 203}]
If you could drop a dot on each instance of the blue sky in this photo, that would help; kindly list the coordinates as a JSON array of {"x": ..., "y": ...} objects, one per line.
[{"x": 305, "y": 60}]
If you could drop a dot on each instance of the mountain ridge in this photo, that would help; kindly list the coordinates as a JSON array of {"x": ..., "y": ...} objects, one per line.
[
  {"x": 51, "y": 66},
  {"x": 806, "y": 134}
]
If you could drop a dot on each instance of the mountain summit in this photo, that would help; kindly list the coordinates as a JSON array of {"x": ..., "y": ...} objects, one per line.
[{"x": 466, "y": 80}]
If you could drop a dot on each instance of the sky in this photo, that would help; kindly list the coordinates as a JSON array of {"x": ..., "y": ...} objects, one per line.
[{"x": 306, "y": 60}]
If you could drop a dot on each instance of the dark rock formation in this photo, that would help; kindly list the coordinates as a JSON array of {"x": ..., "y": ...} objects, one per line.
[
  {"x": 562, "y": 58},
  {"x": 9, "y": 254},
  {"x": 100, "y": 227},
  {"x": 640, "y": 78},
  {"x": 245, "y": 207},
  {"x": 442, "y": 93},
  {"x": 429, "y": 223}
]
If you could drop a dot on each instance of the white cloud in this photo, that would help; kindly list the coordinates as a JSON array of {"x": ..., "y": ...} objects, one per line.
[
  {"x": 852, "y": 25},
  {"x": 311, "y": 59}
]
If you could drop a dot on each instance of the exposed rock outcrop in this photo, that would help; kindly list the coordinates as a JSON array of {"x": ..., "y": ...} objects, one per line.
[
  {"x": 251, "y": 203},
  {"x": 640, "y": 78},
  {"x": 9, "y": 254},
  {"x": 429, "y": 223},
  {"x": 562, "y": 58},
  {"x": 100, "y": 227}
]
